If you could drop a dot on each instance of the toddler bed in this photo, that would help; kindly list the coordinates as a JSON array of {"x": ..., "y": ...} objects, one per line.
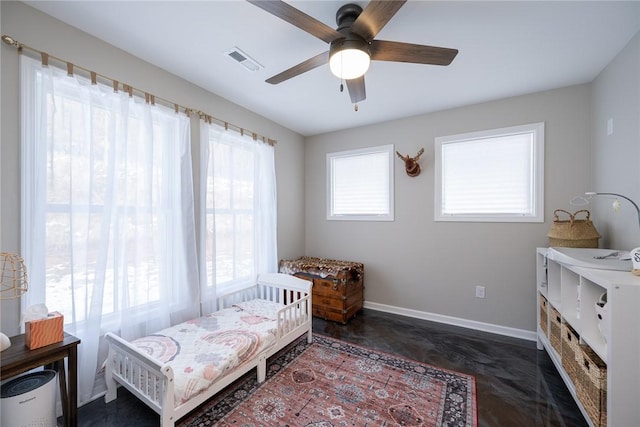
[{"x": 177, "y": 369}]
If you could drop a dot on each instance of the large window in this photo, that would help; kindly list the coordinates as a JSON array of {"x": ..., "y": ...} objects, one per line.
[
  {"x": 239, "y": 218},
  {"x": 493, "y": 176},
  {"x": 108, "y": 229},
  {"x": 360, "y": 184}
]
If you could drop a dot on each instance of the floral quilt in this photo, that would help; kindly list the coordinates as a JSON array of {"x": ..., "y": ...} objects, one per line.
[{"x": 202, "y": 350}]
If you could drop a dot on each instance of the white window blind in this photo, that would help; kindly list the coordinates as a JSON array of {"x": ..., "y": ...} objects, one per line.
[
  {"x": 360, "y": 184},
  {"x": 491, "y": 175}
]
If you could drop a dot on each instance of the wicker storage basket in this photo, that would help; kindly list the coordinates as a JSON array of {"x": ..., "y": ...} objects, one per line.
[
  {"x": 573, "y": 233},
  {"x": 591, "y": 388},
  {"x": 544, "y": 317},
  {"x": 555, "y": 326},
  {"x": 570, "y": 349}
]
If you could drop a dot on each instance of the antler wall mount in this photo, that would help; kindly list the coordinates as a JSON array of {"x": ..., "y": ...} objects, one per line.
[
  {"x": 354, "y": 35},
  {"x": 411, "y": 165}
]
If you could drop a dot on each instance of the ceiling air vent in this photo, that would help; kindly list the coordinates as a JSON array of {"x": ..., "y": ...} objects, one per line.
[{"x": 243, "y": 59}]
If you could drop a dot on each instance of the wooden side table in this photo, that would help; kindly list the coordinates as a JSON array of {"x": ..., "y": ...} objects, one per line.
[{"x": 18, "y": 359}]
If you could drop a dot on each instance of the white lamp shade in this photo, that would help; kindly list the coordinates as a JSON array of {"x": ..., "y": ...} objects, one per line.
[{"x": 349, "y": 64}]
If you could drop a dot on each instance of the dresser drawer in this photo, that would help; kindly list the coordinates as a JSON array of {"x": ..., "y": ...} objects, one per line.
[
  {"x": 337, "y": 315},
  {"x": 337, "y": 303},
  {"x": 333, "y": 287}
]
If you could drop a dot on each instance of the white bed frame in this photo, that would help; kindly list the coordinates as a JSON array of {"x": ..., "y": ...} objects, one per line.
[{"x": 152, "y": 381}]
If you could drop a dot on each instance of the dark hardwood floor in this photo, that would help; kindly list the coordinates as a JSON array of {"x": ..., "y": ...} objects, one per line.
[{"x": 517, "y": 385}]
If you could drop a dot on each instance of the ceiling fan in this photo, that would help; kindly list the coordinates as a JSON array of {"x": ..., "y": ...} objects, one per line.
[{"x": 352, "y": 45}]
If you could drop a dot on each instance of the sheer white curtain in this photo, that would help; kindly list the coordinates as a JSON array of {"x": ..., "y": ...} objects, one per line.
[
  {"x": 108, "y": 230},
  {"x": 238, "y": 215}
]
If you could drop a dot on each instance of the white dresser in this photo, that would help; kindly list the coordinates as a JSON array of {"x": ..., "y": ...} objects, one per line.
[{"x": 568, "y": 294}]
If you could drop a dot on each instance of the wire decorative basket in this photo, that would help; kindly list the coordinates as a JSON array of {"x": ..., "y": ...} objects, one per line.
[{"x": 13, "y": 276}]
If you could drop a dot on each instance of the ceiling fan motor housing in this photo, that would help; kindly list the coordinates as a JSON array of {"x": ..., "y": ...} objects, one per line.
[
  {"x": 345, "y": 17},
  {"x": 352, "y": 41}
]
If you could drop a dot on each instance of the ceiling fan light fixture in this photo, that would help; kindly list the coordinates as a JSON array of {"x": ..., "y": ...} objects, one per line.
[{"x": 349, "y": 58}]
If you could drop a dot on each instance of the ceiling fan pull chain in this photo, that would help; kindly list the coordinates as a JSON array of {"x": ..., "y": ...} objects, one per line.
[
  {"x": 355, "y": 107},
  {"x": 341, "y": 86}
]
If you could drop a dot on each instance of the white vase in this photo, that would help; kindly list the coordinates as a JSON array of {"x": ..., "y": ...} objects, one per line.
[{"x": 5, "y": 343}]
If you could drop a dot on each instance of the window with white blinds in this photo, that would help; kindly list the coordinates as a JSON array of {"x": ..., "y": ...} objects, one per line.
[
  {"x": 360, "y": 184},
  {"x": 491, "y": 176}
]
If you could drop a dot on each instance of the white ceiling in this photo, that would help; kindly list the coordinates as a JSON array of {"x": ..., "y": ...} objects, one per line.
[{"x": 506, "y": 48}]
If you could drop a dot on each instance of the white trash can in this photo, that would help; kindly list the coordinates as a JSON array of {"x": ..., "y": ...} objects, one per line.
[{"x": 29, "y": 400}]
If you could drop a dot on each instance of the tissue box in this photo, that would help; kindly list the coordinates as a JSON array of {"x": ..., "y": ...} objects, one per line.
[{"x": 41, "y": 332}]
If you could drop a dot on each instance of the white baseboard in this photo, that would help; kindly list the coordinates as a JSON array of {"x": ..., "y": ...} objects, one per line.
[{"x": 456, "y": 321}]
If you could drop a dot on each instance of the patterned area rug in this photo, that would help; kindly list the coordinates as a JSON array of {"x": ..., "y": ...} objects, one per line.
[{"x": 334, "y": 383}]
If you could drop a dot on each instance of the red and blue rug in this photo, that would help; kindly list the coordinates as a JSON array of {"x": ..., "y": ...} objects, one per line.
[{"x": 335, "y": 383}]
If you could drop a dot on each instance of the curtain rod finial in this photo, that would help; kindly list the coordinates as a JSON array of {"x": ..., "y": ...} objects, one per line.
[{"x": 10, "y": 41}]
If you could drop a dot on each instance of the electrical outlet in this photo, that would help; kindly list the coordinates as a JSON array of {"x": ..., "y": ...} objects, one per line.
[{"x": 479, "y": 291}]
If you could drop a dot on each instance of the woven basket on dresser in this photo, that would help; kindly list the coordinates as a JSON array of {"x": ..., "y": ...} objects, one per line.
[
  {"x": 591, "y": 388},
  {"x": 544, "y": 316},
  {"x": 573, "y": 233},
  {"x": 555, "y": 330},
  {"x": 570, "y": 349}
]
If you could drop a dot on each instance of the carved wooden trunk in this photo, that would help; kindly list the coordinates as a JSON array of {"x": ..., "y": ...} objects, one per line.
[{"x": 338, "y": 286}]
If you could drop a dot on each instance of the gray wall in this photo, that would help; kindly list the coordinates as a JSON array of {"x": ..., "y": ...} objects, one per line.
[
  {"x": 433, "y": 267},
  {"x": 413, "y": 262},
  {"x": 45, "y": 33},
  {"x": 616, "y": 157}
]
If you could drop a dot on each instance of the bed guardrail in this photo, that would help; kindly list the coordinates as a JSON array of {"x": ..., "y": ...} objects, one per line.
[{"x": 149, "y": 380}]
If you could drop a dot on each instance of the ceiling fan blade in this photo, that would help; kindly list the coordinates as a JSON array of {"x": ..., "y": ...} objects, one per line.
[
  {"x": 374, "y": 17},
  {"x": 302, "y": 67},
  {"x": 300, "y": 19},
  {"x": 414, "y": 53},
  {"x": 356, "y": 89}
]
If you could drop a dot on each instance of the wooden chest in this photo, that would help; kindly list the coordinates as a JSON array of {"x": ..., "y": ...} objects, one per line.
[{"x": 338, "y": 286}]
